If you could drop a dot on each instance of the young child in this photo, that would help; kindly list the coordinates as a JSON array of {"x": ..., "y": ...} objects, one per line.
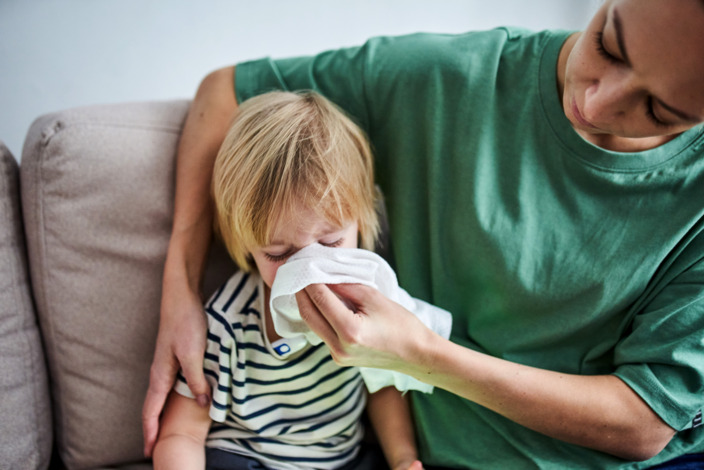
[{"x": 293, "y": 171}]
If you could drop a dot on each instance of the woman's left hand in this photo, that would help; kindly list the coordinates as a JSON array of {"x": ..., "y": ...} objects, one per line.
[{"x": 363, "y": 328}]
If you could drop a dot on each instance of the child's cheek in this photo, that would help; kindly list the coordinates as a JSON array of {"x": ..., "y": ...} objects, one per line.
[{"x": 269, "y": 273}]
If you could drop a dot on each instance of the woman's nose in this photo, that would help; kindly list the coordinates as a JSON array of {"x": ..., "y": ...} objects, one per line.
[{"x": 609, "y": 98}]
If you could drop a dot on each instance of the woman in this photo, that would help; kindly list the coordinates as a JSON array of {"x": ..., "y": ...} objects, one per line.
[{"x": 543, "y": 188}]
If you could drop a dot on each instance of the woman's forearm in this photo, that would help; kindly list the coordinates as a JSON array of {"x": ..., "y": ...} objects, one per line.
[
  {"x": 208, "y": 120},
  {"x": 600, "y": 412}
]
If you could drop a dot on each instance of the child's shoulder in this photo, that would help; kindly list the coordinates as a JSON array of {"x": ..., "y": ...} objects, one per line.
[{"x": 239, "y": 294}]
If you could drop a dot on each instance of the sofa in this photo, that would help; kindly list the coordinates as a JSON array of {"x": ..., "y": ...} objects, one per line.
[{"x": 84, "y": 228}]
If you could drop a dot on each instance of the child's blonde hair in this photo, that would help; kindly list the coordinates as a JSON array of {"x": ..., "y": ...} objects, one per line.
[{"x": 286, "y": 149}]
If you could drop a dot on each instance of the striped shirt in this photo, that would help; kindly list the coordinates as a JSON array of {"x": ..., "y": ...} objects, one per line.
[{"x": 294, "y": 411}]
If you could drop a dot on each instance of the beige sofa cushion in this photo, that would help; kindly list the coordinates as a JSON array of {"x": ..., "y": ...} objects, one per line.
[
  {"x": 97, "y": 189},
  {"x": 25, "y": 413}
]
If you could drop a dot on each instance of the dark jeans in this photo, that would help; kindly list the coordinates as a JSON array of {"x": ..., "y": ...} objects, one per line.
[
  {"x": 369, "y": 458},
  {"x": 686, "y": 462}
]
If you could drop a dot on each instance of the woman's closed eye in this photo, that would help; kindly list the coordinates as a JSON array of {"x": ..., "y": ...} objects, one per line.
[
  {"x": 599, "y": 41},
  {"x": 651, "y": 114}
]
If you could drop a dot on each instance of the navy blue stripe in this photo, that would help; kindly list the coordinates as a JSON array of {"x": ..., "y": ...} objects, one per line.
[
  {"x": 229, "y": 327},
  {"x": 223, "y": 321},
  {"x": 213, "y": 338},
  {"x": 337, "y": 418},
  {"x": 212, "y": 357},
  {"x": 330, "y": 376},
  {"x": 239, "y": 326},
  {"x": 215, "y": 296},
  {"x": 236, "y": 292},
  {"x": 255, "y": 346},
  {"x": 324, "y": 360},
  {"x": 217, "y": 427},
  {"x": 292, "y": 406},
  {"x": 234, "y": 326},
  {"x": 342, "y": 434},
  {"x": 312, "y": 417},
  {"x": 250, "y": 380},
  {"x": 217, "y": 340},
  {"x": 340, "y": 439},
  {"x": 248, "y": 309}
]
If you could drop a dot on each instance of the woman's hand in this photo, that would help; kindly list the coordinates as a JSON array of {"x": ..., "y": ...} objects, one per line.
[
  {"x": 180, "y": 344},
  {"x": 365, "y": 329}
]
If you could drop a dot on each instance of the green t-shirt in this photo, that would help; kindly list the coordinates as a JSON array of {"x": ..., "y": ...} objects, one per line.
[{"x": 548, "y": 250}]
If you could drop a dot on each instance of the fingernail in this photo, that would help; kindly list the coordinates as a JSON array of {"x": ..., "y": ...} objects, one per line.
[{"x": 203, "y": 400}]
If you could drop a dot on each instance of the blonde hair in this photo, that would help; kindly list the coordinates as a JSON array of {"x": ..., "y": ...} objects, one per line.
[{"x": 284, "y": 150}]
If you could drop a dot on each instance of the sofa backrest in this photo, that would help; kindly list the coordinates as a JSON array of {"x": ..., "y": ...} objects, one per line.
[
  {"x": 97, "y": 192},
  {"x": 25, "y": 414}
]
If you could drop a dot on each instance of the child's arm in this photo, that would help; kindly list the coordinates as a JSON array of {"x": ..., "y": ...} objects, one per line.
[
  {"x": 183, "y": 429},
  {"x": 389, "y": 414}
]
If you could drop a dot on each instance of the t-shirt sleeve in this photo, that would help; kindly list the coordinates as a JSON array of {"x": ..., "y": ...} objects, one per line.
[
  {"x": 336, "y": 74},
  {"x": 220, "y": 349},
  {"x": 662, "y": 358},
  {"x": 383, "y": 77}
]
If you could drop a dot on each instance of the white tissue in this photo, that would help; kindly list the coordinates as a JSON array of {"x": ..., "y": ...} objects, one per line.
[{"x": 317, "y": 264}]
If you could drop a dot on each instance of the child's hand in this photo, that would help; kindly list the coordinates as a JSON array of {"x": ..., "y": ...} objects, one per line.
[{"x": 406, "y": 465}]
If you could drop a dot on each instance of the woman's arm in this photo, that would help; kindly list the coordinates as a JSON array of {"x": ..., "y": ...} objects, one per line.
[
  {"x": 184, "y": 428},
  {"x": 181, "y": 338},
  {"x": 391, "y": 419},
  {"x": 600, "y": 412}
]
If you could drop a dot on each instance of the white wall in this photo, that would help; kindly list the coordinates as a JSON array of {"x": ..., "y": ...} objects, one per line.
[{"x": 56, "y": 54}]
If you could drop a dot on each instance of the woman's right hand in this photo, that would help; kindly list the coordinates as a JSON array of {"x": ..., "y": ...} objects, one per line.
[{"x": 180, "y": 345}]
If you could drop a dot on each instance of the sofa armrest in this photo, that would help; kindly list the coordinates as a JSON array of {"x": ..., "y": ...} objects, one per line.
[{"x": 97, "y": 191}]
